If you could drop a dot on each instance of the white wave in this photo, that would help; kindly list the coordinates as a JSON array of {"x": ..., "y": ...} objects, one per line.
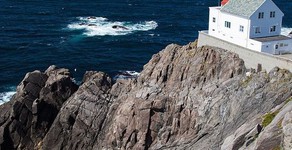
[
  {"x": 6, "y": 96},
  {"x": 127, "y": 75},
  {"x": 99, "y": 26},
  {"x": 133, "y": 73},
  {"x": 286, "y": 31}
]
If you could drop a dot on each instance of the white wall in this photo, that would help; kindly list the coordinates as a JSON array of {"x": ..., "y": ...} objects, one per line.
[
  {"x": 213, "y": 26},
  {"x": 266, "y": 22},
  {"x": 232, "y": 34},
  {"x": 254, "y": 45},
  {"x": 251, "y": 58}
]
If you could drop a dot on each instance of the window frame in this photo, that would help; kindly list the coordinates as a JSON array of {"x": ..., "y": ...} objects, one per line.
[
  {"x": 273, "y": 29},
  {"x": 241, "y": 28},
  {"x": 257, "y": 30},
  {"x": 272, "y": 14},
  {"x": 261, "y": 15},
  {"x": 227, "y": 24}
]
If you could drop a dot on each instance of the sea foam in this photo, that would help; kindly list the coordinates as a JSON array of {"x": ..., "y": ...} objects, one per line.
[
  {"x": 126, "y": 75},
  {"x": 6, "y": 96},
  {"x": 286, "y": 31},
  {"x": 100, "y": 26}
]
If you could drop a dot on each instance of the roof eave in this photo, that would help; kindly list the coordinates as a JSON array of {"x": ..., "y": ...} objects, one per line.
[
  {"x": 257, "y": 8},
  {"x": 278, "y": 8}
]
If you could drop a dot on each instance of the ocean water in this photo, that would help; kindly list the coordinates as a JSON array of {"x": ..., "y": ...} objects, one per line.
[{"x": 79, "y": 35}]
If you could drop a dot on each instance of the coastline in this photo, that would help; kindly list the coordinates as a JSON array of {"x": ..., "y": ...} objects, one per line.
[{"x": 183, "y": 92}]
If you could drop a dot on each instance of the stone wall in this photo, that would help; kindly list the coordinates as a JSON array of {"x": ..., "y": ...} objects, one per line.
[{"x": 250, "y": 57}]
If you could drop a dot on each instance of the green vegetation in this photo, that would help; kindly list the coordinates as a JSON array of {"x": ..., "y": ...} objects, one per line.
[
  {"x": 277, "y": 147},
  {"x": 268, "y": 118}
]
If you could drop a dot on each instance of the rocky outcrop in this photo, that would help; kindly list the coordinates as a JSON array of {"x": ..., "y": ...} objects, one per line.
[
  {"x": 185, "y": 98},
  {"x": 33, "y": 109},
  {"x": 82, "y": 116}
]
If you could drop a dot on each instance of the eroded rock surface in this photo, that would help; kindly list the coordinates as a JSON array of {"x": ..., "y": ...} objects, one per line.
[
  {"x": 185, "y": 98},
  {"x": 34, "y": 107}
]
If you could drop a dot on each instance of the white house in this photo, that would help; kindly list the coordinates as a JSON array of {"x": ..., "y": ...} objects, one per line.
[{"x": 254, "y": 24}]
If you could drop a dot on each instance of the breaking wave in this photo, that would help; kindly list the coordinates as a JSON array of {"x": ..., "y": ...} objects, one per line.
[
  {"x": 99, "y": 26},
  {"x": 6, "y": 96},
  {"x": 126, "y": 75},
  {"x": 286, "y": 31}
]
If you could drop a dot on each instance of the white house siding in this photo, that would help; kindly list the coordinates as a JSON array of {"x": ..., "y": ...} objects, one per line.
[
  {"x": 213, "y": 13},
  {"x": 251, "y": 58},
  {"x": 254, "y": 45},
  {"x": 233, "y": 34},
  {"x": 248, "y": 38},
  {"x": 266, "y": 23}
]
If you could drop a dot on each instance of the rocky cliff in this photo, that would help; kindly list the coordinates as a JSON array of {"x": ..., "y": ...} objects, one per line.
[{"x": 185, "y": 98}]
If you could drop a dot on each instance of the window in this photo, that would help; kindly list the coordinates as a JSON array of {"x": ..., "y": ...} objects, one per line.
[
  {"x": 272, "y": 14},
  {"x": 227, "y": 24},
  {"x": 261, "y": 15},
  {"x": 276, "y": 46},
  {"x": 214, "y": 19},
  {"x": 273, "y": 29},
  {"x": 241, "y": 28},
  {"x": 257, "y": 30}
]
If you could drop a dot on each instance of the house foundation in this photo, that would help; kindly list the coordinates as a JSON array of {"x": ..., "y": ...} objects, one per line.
[{"x": 251, "y": 58}]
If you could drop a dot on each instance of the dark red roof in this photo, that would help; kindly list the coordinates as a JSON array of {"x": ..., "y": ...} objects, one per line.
[{"x": 223, "y": 2}]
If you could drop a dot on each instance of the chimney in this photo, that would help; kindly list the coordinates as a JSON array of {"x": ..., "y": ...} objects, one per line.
[{"x": 223, "y": 2}]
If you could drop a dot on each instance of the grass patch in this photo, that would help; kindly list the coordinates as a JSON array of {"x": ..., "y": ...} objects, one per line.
[{"x": 268, "y": 118}]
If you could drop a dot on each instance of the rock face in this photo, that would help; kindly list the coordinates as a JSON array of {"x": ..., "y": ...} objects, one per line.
[
  {"x": 185, "y": 98},
  {"x": 33, "y": 109},
  {"x": 82, "y": 116}
]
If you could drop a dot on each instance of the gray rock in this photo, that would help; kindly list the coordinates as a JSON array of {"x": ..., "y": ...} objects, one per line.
[
  {"x": 185, "y": 98},
  {"x": 287, "y": 131},
  {"x": 82, "y": 116},
  {"x": 33, "y": 108}
]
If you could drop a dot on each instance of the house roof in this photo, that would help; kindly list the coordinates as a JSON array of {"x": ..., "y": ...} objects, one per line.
[
  {"x": 273, "y": 38},
  {"x": 244, "y": 8}
]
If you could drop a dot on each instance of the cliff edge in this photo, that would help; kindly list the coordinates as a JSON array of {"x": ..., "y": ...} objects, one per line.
[{"x": 185, "y": 98}]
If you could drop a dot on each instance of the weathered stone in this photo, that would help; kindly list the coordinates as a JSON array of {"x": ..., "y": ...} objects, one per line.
[
  {"x": 185, "y": 98},
  {"x": 82, "y": 116},
  {"x": 33, "y": 109},
  {"x": 287, "y": 131}
]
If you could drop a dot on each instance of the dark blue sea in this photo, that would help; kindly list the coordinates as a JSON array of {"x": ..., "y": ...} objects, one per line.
[{"x": 35, "y": 34}]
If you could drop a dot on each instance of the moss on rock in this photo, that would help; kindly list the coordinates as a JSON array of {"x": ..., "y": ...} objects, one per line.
[{"x": 268, "y": 118}]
